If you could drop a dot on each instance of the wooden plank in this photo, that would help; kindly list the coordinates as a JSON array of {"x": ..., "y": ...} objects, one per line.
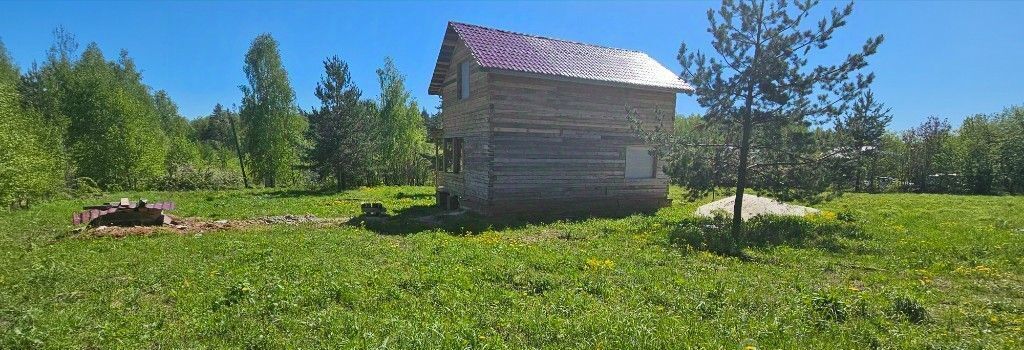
[{"x": 532, "y": 140}]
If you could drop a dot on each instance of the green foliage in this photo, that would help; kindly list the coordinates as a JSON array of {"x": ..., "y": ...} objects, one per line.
[
  {"x": 829, "y": 308},
  {"x": 909, "y": 309},
  {"x": 116, "y": 136},
  {"x": 218, "y": 146},
  {"x": 1010, "y": 150},
  {"x": 182, "y": 149},
  {"x": 339, "y": 131},
  {"x": 763, "y": 95},
  {"x": 824, "y": 231},
  {"x": 400, "y": 151},
  {"x": 699, "y": 156},
  {"x": 28, "y": 169},
  {"x": 861, "y": 131},
  {"x": 191, "y": 178},
  {"x": 975, "y": 147},
  {"x": 45, "y": 87},
  {"x": 215, "y": 130},
  {"x": 272, "y": 124},
  {"x": 982, "y": 156}
]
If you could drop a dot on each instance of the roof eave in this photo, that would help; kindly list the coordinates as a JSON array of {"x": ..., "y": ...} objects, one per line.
[
  {"x": 443, "y": 62},
  {"x": 684, "y": 89}
]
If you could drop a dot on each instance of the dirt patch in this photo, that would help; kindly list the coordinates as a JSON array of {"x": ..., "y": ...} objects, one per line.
[{"x": 202, "y": 225}]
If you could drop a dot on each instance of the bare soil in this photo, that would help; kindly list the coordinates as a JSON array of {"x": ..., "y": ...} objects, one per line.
[{"x": 203, "y": 225}]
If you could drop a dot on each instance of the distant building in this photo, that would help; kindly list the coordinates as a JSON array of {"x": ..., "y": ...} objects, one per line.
[{"x": 538, "y": 126}]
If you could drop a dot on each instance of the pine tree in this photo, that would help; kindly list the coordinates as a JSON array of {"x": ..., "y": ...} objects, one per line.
[
  {"x": 861, "y": 130},
  {"x": 758, "y": 86},
  {"x": 338, "y": 130},
  {"x": 271, "y": 122}
]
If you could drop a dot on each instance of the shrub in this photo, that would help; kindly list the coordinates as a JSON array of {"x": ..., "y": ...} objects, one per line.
[
  {"x": 713, "y": 234},
  {"x": 828, "y": 308},
  {"x": 187, "y": 178},
  {"x": 708, "y": 234},
  {"x": 908, "y": 309},
  {"x": 83, "y": 187}
]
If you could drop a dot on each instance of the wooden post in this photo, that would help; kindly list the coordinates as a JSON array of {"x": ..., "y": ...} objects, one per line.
[{"x": 238, "y": 150}]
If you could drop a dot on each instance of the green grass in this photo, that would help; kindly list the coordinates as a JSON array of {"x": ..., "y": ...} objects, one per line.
[{"x": 933, "y": 271}]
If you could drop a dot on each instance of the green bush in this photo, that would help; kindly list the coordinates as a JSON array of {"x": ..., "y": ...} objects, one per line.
[
  {"x": 708, "y": 234},
  {"x": 909, "y": 309},
  {"x": 83, "y": 187},
  {"x": 714, "y": 234},
  {"x": 188, "y": 178},
  {"x": 829, "y": 308}
]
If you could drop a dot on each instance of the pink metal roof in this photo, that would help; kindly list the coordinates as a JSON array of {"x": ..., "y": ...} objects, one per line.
[{"x": 499, "y": 49}]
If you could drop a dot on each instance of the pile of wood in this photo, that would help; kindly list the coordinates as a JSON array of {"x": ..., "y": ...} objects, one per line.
[{"x": 124, "y": 213}]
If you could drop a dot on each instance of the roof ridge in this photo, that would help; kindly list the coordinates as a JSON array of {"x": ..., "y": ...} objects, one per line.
[{"x": 547, "y": 38}]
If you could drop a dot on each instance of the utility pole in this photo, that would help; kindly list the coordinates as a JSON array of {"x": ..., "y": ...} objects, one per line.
[{"x": 238, "y": 150}]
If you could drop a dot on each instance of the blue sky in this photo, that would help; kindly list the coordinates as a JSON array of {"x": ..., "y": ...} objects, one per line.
[{"x": 949, "y": 59}]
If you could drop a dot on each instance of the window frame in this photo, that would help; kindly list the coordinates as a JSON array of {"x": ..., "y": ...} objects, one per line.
[{"x": 453, "y": 155}]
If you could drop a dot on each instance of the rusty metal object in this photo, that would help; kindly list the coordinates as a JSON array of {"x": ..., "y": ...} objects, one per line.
[{"x": 124, "y": 213}]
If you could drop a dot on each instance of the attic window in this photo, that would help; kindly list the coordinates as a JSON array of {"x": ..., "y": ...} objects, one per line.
[{"x": 464, "y": 80}]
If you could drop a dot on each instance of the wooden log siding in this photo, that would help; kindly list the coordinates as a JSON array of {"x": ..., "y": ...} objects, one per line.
[
  {"x": 560, "y": 144},
  {"x": 537, "y": 140},
  {"x": 467, "y": 118},
  {"x": 534, "y": 143},
  {"x": 538, "y": 145}
]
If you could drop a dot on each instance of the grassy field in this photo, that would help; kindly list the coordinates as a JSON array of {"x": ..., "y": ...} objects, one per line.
[{"x": 932, "y": 271}]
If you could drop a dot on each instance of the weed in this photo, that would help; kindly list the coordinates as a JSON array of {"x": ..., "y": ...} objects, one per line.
[{"x": 909, "y": 309}]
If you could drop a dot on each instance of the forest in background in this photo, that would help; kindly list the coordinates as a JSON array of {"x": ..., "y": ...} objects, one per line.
[
  {"x": 984, "y": 155},
  {"x": 80, "y": 123}
]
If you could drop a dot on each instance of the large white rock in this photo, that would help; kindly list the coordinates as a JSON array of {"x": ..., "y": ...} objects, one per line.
[{"x": 754, "y": 206}]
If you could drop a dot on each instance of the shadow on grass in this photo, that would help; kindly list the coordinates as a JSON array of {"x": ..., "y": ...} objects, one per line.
[
  {"x": 428, "y": 217},
  {"x": 414, "y": 196},
  {"x": 296, "y": 193},
  {"x": 714, "y": 234}
]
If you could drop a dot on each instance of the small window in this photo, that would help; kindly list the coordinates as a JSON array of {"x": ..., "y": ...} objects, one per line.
[
  {"x": 453, "y": 154},
  {"x": 464, "y": 80},
  {"x": 640, "y": 164}
]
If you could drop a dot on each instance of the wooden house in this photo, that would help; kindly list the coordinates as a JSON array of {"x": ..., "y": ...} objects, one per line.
[{"x": 534, "y": 125}]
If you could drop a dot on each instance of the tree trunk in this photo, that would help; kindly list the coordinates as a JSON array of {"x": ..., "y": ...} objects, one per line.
[
  {"x": 741, "y": 171},
  {"x": 748, "y": 124},
  {"x": 872, "y": 174},
  {"x": 339, "y": 182},
  {"x": 741, "y": 179},
  {"x": 859, "y": 177}
]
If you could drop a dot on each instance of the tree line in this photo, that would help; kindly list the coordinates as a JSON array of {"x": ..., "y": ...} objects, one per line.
[
  {"x": 80, "y": 122},
  {"x": 984, "y": 155}
]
